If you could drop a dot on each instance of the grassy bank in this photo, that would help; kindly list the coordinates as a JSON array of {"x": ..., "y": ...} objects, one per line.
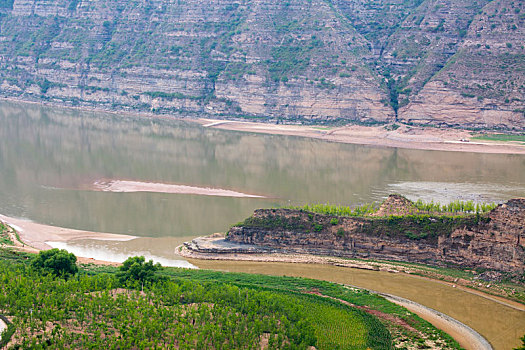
[
  {"x": 501, "y": 137},
  {"x": 199, "y": 309}
]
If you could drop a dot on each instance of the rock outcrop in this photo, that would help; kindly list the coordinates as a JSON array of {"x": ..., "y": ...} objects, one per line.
[
  {"x": 490, "y": 241},
  {"x": 435, "y": 62}
]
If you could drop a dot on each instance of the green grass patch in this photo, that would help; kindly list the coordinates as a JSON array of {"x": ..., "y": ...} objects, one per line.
[
  {"x": 337, "y": 327},
  {"x": 4, "y": 237},
  {"x": 501, "y": 137},
  {"x": 419, "y": 206}
]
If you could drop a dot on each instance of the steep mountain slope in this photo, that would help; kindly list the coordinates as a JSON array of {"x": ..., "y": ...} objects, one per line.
[
  {"x": 302, "y": 60},
  {"x": 484, "y": 82}
]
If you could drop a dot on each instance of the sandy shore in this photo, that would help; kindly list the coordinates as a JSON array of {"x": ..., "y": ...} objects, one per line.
[
  {"x": 36, "y": 235},
  {"x": 412, "y": 137},
  {"x": 139, "y": 186}
]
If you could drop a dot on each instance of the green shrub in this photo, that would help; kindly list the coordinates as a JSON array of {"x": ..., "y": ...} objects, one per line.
[
  {"x": 58, "y": 262},
  {"x": 137, "y": 269}
]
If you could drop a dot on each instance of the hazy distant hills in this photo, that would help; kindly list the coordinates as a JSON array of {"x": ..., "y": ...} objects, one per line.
[{"x": 440, "y": 62}]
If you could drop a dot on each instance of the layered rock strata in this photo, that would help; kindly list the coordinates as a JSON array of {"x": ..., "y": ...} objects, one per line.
[
  {"x": 432, "y": 62},
  {"x": 491, "y": 241}
]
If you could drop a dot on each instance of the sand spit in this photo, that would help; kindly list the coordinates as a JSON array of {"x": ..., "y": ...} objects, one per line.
[
  {"x": 36, "y": 235},
  {"x": 138, "y": 186},
  {"x": 412, "y": 137}
]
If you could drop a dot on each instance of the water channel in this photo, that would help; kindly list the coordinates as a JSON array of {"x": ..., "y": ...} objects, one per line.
[{"x": 51, "y": 160}]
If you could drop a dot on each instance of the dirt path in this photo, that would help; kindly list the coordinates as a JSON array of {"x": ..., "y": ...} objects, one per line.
[{"x": 412, "y": 137}]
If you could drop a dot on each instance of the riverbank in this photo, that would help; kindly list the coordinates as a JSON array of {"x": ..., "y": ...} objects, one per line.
[
  {"x": 214, "y": 247},
  {"x": 391, "y": 268},
  {"x": 396, "y": 135},
  {"x": 401, "y": 136},
  {"x": 463, "y": 334},
  {"x": 31, "y": 237}
]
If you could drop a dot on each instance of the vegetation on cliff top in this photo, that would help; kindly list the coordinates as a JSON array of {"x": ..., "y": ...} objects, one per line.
[
  {"x": 409, "y": 226},
  {"x": 419, "y": 208},
  {"x": 396, "y": 216}
]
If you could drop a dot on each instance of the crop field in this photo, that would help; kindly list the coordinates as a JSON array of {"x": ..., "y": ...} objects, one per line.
[
  {"x": 99, "y": 311},
  {"x": 336, "y": 328},
  {"x": 196, "y": 309}
]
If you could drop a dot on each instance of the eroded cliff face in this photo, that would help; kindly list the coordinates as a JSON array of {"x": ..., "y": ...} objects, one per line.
[
  {"x": 440, "y": 62},
  {"x": 482, "y": 84},
  {"x": 498, "y": 244},
  {"x": 495, "y": 241},
  {"x": 256, "y": 59}
]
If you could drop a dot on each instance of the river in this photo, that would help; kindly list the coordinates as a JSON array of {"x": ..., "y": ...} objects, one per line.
[{"x": 51, "y": 161}]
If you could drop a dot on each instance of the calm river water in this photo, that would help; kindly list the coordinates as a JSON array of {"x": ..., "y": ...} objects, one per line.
[{"x": 50, "y": 158}]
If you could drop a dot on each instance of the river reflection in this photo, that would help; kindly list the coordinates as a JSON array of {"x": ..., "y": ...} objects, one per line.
[{"x": 50, "y": 157}]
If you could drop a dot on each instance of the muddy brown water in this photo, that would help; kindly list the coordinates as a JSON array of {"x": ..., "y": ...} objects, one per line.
[
  {"x": 499, "y": 324},
  {"x": 50, "y": 158}
]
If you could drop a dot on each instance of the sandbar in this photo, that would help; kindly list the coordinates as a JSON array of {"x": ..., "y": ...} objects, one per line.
[
  {"x": 139, "y": 186},
  {"x": 36, "y": 235}
]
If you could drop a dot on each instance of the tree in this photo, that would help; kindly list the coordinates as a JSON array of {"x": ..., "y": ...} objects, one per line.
[
  {"x": 58, "y": 262},
  {"x": 137, "y": 269}
]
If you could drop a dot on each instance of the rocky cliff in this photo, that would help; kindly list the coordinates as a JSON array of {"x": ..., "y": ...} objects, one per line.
[
  {"x": 439, "y": 62},
  {"x": 490, "y": 241}
]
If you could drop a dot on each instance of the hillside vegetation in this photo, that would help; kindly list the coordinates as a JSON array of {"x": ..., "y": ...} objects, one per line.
[
  {"x": 438, "y": 62},
  {"x": 186, "y": 309}
]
